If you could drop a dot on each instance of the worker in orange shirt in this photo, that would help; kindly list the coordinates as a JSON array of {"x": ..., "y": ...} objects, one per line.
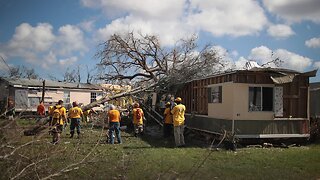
[
  {"x": 41, "y": 110},
  {"x": 138, "y": 117},
  {"x": 168, "y": 121},
  {"x": 114, "y": 124}
]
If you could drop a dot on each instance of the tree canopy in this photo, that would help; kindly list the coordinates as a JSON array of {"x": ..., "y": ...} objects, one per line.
[{"x": 142, "y": 59}]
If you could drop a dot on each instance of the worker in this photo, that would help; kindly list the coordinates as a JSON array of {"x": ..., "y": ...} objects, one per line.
[
  {"x": 50, "y": 111},
  {"x": 114, "y": 119},
  {"x": 59, "y": 118},
  {"x": 138, "y": 117},
  {"x": 10, "y": 109},
  {"x": 75, "y": 114},
  {"x": 167, "y": 122},
  {"x": 41, "y": 110},
  {"x": 178, "y": 122}
]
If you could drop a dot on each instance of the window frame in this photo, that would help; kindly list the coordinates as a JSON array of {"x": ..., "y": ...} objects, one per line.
[
  {"x": 261, "y": 107},
  {"x": 93, "y": 97},
  {"x": 215, "y": 94},
  {"x": 66, "y": 97}
]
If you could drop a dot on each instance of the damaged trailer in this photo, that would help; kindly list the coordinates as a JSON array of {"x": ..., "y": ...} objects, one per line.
[{"x": 256, "y": 103}]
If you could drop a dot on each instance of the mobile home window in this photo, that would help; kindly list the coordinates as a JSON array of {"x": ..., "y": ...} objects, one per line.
[
  {"x": 93, "y": 97},
  {"x": 215, "y": 94},
  {"x": 66, "y": 97},
  {"x": 260, "y": 99}
]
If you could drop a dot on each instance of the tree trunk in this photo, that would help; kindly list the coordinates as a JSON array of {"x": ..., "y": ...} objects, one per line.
[{"x": 109, "y": 98}]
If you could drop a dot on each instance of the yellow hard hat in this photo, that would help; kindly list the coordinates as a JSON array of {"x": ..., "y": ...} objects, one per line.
[
  {"x": 178, "y": 99},
  {"x": 136, "y": 105}
]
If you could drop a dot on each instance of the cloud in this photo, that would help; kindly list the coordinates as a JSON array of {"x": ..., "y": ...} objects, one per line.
[
  {"x": 173, "y": 20},
  {"x": 156, "y": 9},
  {"x": 261, "y": 54},
  {"x": 68, "y": 61},
  {"x": 317, "y": 65},
  {"x": 226, "y": 17},
  {"x": 87, "y": 25},
  {"x": 294, "y": 10},
  {"x": 72, "y": 39},
  {"x": 280, "y": 31},
  {"x": 40, "y": 47},
  {"x": 313, "y": 43},
  {"x": 290, "y": 60},
  {"x": 28, "y": 38},
  {"x": 241, "y": 63},
  {"x": 168, "y": 31},
  {"x": 235, "y": 53},
  {"x": 164, "y": 19}
]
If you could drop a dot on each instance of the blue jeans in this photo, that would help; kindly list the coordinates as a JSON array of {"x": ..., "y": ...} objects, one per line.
[
  {"x": 75, "y": 123},
  {"x": 114, "y": 126}
]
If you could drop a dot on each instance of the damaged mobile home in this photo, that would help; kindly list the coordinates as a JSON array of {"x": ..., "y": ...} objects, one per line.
[{"x": 255, "y": 103}]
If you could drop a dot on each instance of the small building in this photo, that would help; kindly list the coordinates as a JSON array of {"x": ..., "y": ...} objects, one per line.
[
  {"x": 255, "y": 103},
  {"x": 27, "y": 93}
]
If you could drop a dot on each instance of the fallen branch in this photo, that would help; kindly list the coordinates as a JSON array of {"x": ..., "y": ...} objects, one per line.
[
  {"x": 74, "y": 165},
  {"x": 19, "y": 147},
  {"x": 25, "y": 168}
]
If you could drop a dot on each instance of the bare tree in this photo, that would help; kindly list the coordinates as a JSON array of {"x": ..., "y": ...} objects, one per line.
[
  {"x": 142, "y": 59},
  {"x": 71, "y": 76},
  {"x": 91, "y": 74},
  {"x": 75, "y": 76},
  {"x": 23, "y": 72}
]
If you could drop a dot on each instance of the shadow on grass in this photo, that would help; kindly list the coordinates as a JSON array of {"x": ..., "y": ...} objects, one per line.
[{"x": 153, "y": 135}]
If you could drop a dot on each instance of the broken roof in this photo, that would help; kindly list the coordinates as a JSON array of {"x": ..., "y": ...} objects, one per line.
[
  {"x": 286, "y": 74},
  {"x": 49, "y": 83}
]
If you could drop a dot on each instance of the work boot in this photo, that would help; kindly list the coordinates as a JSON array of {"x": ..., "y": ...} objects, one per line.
[
  {"x": 78, "y": 136},
  {"x": 71, "y": 136}
]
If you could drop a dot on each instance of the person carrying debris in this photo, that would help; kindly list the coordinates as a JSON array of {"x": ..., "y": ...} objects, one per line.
[
  {"x": 58, "y": 119},
  {"x": 75, "y": 114},
  {"x": 138, "y": 117},
  {"x": 114, "y": 124},
  {"x": 178, "y": 122},
  {"x": 167, "y": 125},
  {"x": 87, "y": 113}
]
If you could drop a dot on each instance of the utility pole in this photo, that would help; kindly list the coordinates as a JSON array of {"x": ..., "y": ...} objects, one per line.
[{"x": 43, "y": 89}]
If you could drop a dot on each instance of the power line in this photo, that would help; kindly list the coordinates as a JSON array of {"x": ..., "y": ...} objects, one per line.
[{"x": 5, "y": 63}]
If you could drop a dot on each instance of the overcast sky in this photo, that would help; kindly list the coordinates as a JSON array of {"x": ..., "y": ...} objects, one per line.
[{"x": 51, "y": 35}]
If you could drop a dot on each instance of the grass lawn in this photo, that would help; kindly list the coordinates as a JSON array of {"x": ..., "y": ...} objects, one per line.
[{"x": 149, "y": 157}]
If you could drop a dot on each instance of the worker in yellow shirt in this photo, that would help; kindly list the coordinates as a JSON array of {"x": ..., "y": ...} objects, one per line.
[
  {"x": 59, "y": 117},
  {"x": 167, "y": 125},
  {"x": 75, "y": 114},
  {"x": 114, "y": 119},
  {"x": 178, "y": 122}
]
